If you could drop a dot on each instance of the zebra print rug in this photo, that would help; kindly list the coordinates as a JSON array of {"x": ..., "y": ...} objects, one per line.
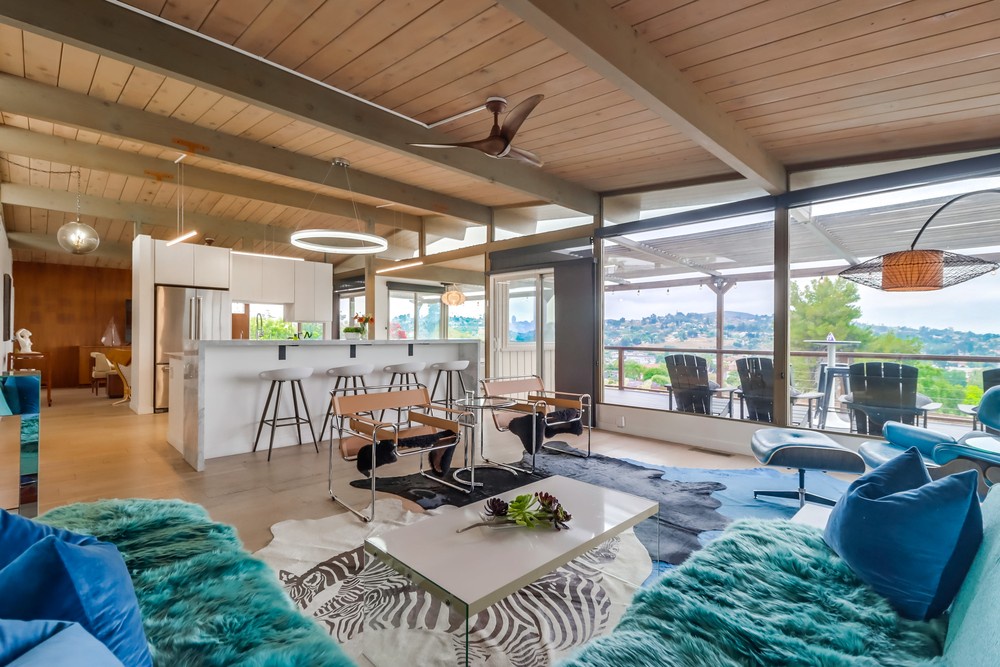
[{"x": 319, "y": 564}]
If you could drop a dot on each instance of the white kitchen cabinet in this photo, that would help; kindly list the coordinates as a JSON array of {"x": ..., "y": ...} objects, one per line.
[
  {"x": 189, "y": 265},
  {"x": 173, "y": 265},
  {"x": 262, "y": 279},
  {"x": 211, "y": 267},
  {"x": 324, "y": 293},
  {"x": 277, "y": 280},
  {"x": 313, "y": 293},
  {"x": 245, "y": 278}
]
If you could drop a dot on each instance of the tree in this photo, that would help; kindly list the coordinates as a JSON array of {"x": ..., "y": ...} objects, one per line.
[{"x": 825, "y": 306}]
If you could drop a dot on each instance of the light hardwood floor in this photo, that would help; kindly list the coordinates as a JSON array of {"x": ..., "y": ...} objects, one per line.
[{"x": 91, "y": 449}]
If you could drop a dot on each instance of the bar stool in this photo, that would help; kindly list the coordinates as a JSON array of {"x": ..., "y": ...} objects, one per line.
[
  {"x": 450, "y": 369},
  {"x": 350, "y": 375},
  {"x": 278, "y": 377},
  {"x": 402, "y": 375}
]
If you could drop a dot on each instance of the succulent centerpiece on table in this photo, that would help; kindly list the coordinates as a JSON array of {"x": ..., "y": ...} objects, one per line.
[{"x": 528, "y": 510}]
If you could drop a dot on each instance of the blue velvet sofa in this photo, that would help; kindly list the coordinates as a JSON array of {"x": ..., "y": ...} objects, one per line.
[
  {"x": 772, "y": 593},
  {"x": 204, "y": 600}
]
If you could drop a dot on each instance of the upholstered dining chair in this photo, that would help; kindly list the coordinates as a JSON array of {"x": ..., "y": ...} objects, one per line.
[
  {"x": 883, "y": 392},
  {"x": 99, "y": 371}
]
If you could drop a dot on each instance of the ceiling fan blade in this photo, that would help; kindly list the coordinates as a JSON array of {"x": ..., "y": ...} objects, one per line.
[
  {"x": 491, "y": 145},
  {"x": 513, "y": 121},
  {"x": 524, "y": 156}
]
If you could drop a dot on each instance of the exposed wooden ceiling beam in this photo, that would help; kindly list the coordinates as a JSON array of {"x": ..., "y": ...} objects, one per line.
[
  {"x": 441, "y": 274},
  {"x": 141, "y": 40},
  {"x": 47, "y": 243},
  {"x": 569, "y": 233},
  {"x": 29, "y": 144},
  {"x": 591, "y": 31},
  {"x": 207, "y": 225},
  {"x": 37, "y": 100}
]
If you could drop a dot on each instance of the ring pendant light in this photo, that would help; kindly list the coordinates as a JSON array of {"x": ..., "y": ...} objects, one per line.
[{"x": 335, "y": 241}]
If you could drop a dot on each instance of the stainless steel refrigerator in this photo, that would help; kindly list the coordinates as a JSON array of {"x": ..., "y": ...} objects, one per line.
[{"x": 184, "y": 315}]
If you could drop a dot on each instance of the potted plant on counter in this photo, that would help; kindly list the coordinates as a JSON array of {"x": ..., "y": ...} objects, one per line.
[{"x": 356, "y": 332}]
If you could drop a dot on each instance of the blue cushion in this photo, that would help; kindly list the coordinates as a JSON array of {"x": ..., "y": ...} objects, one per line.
[
  {"x": 47, "y": 643},
  {"x": 84, "y": 583},
  {"x": 909, "y": 538},
  {"x": 18, "y": 534},
  {"x": 924, "y": 439}
]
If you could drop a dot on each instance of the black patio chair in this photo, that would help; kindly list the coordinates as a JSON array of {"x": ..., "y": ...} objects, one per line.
[
  {"x": 991, "y": 378},
  {"x": 757, "y": 390},
  {"x": 882, "y": 392},
  {"x": 689, "y": 383}
]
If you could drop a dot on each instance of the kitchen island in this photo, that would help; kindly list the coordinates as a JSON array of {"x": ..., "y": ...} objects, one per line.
[{"x": 224, "y": 397}]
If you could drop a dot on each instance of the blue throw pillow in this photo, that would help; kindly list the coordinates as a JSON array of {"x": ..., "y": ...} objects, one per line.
[
  {"x": 48, "y": 643},
  {"x": 87, "y": 584},
  {"x": 910, "y": 538},
  {"x": 18, "y": 534}
]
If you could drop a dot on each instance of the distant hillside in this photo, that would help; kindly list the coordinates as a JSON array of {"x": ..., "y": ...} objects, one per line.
[
  {"x": 749, "y": 331},
  {"x": 947, "y": 341}
]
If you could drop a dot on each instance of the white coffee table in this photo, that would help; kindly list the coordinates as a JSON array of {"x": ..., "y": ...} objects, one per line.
[{"x": 479, "y": 567}]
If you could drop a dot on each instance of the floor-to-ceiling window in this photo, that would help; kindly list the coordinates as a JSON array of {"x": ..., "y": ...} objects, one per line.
[
  {"x": 699, "y": 281},
  {"x": 945, "y": 339}
]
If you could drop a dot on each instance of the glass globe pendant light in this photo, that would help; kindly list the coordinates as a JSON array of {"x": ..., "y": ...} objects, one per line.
[{"x": 75, "y": 236}]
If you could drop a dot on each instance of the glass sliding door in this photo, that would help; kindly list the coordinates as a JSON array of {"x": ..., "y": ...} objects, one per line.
[{"x": 523, "y": 341}]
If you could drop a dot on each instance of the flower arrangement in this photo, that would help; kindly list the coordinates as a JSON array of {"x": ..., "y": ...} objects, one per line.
[
  {"x": 528, "y": 510},
  {"x": 364, "y": 320}
]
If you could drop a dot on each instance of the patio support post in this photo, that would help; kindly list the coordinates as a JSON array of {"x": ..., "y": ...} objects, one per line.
[
  {"x": 782, "y": 405},
  {"x": 720, "y": 286}
]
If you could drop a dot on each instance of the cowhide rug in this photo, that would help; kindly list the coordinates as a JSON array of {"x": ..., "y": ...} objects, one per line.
[{"x": 381, "y": 614}]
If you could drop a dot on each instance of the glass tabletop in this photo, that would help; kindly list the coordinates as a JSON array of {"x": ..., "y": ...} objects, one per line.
[{"x": 485, "y": 402}]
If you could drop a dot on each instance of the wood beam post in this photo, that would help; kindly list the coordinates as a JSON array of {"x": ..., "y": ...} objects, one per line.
[
  {"x": 720, "y": 286},
  {"x": 782, "y": 303}
]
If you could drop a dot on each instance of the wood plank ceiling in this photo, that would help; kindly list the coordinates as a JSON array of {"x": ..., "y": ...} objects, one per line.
[{"x": 812, "y": 82}]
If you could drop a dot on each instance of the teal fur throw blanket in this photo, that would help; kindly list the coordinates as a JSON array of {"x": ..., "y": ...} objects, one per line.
[
  {"x": 767, "y": 594},
  {"x": 204, "y": 600}
]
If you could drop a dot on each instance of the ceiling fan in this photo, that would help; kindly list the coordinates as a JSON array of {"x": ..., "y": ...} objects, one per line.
[{"x": 498, "y": 144}]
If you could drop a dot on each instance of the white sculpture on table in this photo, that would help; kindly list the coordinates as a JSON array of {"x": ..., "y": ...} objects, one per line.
[{"x": 23, "y": 338}]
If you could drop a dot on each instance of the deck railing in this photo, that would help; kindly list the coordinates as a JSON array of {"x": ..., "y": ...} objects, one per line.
[{"x": 615, "y": 377}]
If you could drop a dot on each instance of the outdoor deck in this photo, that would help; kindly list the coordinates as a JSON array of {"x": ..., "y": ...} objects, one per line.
[{"x": 837, "y": 421}]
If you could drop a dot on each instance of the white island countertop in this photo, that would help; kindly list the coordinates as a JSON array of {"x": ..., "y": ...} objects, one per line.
[{"x": 227, "y": 394}]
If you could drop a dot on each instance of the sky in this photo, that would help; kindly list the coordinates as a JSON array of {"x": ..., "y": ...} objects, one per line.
[{"x": 971, "y": 306}]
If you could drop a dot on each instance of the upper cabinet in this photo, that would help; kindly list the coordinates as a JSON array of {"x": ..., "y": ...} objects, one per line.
[
  {"x": 190, "y": 265},
  {"x": 313, "y": 293},
  {"x": 262, "y": 279}
]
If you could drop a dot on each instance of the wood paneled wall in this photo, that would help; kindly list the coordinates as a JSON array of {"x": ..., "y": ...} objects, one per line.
[{"x": 67, "y": 306}]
